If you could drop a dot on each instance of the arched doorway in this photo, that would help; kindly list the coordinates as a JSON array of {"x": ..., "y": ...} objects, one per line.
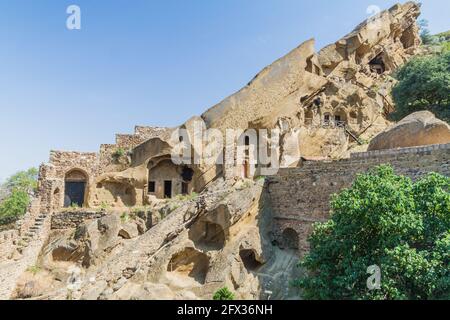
[
  {"x": 75, "y": 183},
  {"x": 290, "y": 239}
]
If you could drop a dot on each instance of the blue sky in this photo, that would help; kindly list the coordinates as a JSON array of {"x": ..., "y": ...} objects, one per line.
[{"x": 154, "y": 62}]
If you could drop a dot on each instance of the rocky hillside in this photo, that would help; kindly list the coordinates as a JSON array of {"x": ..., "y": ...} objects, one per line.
[{"x": 221, "y": 238}]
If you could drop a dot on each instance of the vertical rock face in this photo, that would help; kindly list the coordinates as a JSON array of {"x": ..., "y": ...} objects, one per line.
[
  {"x": 275, "y": 89},
  {"x": 389, "y": 37},
  {"x": 346, "y": 85}
]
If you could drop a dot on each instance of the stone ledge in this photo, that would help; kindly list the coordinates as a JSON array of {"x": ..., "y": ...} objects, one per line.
[{"x": 69, "y": 220}]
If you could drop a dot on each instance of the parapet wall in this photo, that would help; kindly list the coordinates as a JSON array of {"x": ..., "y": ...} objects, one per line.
[{"x": 301, "y": 196}]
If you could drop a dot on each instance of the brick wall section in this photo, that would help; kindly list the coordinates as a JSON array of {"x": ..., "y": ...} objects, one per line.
[
  {"x": 301, "y": 196},
  {"x": 67, "y": 220}
]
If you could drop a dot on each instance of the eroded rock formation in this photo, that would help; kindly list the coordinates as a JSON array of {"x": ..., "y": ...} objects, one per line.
[{"x": 418, "y": 129}]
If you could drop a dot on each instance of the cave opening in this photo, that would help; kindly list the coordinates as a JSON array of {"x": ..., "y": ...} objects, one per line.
[
  {"x": 249, "y": 260},
  {"x": 190, "y": 263},
  {"x": 377, "y": 65}
]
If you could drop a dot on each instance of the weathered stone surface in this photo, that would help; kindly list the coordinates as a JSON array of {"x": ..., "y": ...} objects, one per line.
[
  {"x": 417, "y": 129},
  {"x": 128, "y": 231}
]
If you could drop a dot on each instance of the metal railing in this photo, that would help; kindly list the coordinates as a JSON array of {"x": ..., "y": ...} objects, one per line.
[{"x": 326, "y": 123}]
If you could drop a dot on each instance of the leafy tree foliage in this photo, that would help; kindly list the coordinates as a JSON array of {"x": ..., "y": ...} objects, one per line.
[
  {"x": 15, "y": 204},
  {"x": 425, "y": 34},
  {"x": 23, "y": 180},
  {"x": 424, "y": 84},
  {"x": 223, "y": 294},
  {"x": 389, "y": 221}
]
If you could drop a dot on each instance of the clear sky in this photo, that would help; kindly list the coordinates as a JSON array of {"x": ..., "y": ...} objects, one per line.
[{"x": 146, "y": 62}]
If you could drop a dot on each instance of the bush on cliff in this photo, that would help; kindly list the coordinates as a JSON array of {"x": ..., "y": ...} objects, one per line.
[
  {"x": 424, "y": 84},
  {"x": 18, "y": 187},
  {"x": 23, "y": 180},
  {"x": 387, "y": 221},
  {"x": 223, "y": 294},
  {"x": 14, "y": 206}
]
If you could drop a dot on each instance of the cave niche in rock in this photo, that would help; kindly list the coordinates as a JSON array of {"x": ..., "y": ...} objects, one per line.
[
  {"x": 190, "y": 263},
  {"x": 248, "y": 257}
]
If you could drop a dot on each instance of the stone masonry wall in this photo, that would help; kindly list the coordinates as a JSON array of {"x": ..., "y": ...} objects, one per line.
[
  {"x": 126, "y": 142},
  {"x": 301, "y": 196},
  {"x": 51, "y": 175},
  {"x": 68, "y": 220}
]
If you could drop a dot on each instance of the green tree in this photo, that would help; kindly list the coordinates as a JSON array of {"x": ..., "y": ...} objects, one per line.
[
  {"x": 389, "y": 221},
  {"x": 223, "y": 294},
  {"x": 425, "y": 33},
  {"x": 14, "y": 206},
  {"x": 18, "y": 187},
  {"x": 424, "y": 84},
  {"x": 23, "y": 180}
]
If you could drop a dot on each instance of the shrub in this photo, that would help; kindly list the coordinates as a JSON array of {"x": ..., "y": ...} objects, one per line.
[
  {"x": 34, "y": 269},
  {"x": 424, "y": 84},
  {"x": 14, "y": 206},
  {"x": 125, "y": 217},
  {"x": 119, "y": 153},
  {"x": 223, "y": 294},
  {"x": 23, "y": 180},
  {"x": 389, "y": 221}
]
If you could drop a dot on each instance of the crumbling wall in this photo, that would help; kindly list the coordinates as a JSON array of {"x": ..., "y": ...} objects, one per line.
[{"x": 300, "y": 197}]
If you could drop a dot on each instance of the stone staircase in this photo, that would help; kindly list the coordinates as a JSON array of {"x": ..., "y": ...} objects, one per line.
[
  {"x": 32, "y": 232},
  {"x": 28, "y": 248}
]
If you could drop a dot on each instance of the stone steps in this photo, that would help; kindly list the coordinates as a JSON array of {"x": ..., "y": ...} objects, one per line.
[{"x": 28, "y": 247}]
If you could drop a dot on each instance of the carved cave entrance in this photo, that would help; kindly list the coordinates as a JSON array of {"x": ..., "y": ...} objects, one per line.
[
  {"x": 377, "y": 65},
  {"x": 290, "y": 239},
  {"x": 190, "y": 263},
  {"x": 75, "y": 189},
  {"x": 207, "y": 234},
  {"x": 168, "y": 189},
  {"x": 248, "y": 257}
]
